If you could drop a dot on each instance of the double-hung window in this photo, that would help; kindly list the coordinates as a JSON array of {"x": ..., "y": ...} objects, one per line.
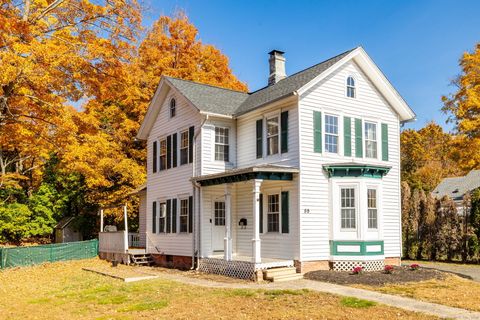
[
  {"x": 184, "y": 215},
  {"x": 163, "y": 154},
  {"x": 219, "y": 213},
  {"x": 372, "y": 209},
  {"x": 331, "y": 133},
  {"x": 273, "y": 214},
  {"x": 162, "y": 217},
  {"x": 221, "y": 144},
  {"x": 348, "y": 208},
  {"x": 272, "y": 135},
  {"x": 172, "y": 108},
  {"x": 370, "y": 140},
  {"x": 351, "y": 87},
  {"x": 184, "y": 147}
]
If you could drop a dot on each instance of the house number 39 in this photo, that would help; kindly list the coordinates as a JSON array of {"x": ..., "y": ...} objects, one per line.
[{"x": 306, "y": 210}]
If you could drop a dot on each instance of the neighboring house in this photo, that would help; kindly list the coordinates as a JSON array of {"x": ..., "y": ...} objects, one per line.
[
  {"x": 457, "y": 187},
  {"x": 65, "y": 231},
  {"x": 303, "y": 172}
]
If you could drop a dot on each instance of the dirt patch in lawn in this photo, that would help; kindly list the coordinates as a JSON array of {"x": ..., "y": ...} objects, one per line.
[
  {"x": 377, "y": 278},
  {"x": 194, "y": 274}
]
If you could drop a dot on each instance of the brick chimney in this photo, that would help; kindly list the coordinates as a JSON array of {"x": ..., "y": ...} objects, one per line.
[{"x": 277, "y": 67}]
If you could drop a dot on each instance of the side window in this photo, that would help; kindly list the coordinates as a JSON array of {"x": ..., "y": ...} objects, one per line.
[
  {"x": 172, "y": 108},
  {"x": 272, "y": 135},
  {"x": 372, "y": 209},
  {"x": 184, "y": 147},
  {"x": 273, "y": 213},
  {"x": 370, "y": 132},
  {"x": 351, "y": 92},
  {"x": 163, "y": 154},
  {"x": 221, "y": 144},
  {"x": 163, "y": 214},
  {"x": 348, "y": 208},
  {"x": 184, "y": 215},
  {"x": 331, "y": 134}
]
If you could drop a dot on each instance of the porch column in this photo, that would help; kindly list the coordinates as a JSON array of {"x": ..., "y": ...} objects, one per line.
[
  {"x": 101, "y": 220},
  {"x": 126, "y": 226},
  {"x": 228, "y": 223},
  {"x": 256, "y": 221}
]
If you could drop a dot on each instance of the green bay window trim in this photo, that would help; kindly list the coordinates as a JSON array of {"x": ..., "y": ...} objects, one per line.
[
  {"x": 347, "y": 136},
  {"x": 355, "y": 170},
  {"x": 334, "y": 251},
  {"x": 317, "y": 131}
]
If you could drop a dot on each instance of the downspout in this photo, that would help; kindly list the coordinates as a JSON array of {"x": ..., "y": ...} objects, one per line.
[{"x": 195, "y": 187}]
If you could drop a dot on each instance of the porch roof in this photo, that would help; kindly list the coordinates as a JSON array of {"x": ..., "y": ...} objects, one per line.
[{"x": 265, "y": 172}]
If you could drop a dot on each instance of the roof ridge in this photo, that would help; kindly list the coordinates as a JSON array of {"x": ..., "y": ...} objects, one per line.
[
  {"x": 300, "y": 71},
  {"x": 206, "y": 84}
]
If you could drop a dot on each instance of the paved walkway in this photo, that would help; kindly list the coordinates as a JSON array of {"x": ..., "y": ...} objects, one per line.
[
  {"x": 390, "y": 300},
  {"x": 469, "y": 270}
]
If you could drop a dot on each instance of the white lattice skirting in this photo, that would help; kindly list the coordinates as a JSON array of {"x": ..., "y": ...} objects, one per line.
[
  {"x": 235, "y": 269},
  {"x": 373, "y": 265}
]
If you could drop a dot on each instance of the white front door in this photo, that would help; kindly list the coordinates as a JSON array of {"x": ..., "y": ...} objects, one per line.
[{"x": 218, "y": 225}]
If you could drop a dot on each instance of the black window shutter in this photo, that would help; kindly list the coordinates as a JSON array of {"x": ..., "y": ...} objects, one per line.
[
  {"x": 174, "y": 150},
  {"x": 285, "y": 218},
  {"x": 169, "y": 152},
  {"x": 259, "y": 138},
  {"x": 155, "y": 160},
  {"x": 190, "y": 144},
  {"x": 174, "y": 215},
  {"x": 284, "y": 130},
  {"x": 169, "y": 215},
  {"x": 154, "y": 217},
  {"x": 260, "y": 209},
  {"x": 190, "y": 214}
]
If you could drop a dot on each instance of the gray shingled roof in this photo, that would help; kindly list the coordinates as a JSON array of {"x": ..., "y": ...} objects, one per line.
[
  {"x": 229, "y": 102},
  {"x": 457, "y": 187}
]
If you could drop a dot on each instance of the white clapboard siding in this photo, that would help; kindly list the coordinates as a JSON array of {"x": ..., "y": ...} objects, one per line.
[
  {"x": 246, "y": 144},
  {"x": 142, "y": 217},
  {"x": 174, "y": 182},
  {"x": 328, "y": 96}
]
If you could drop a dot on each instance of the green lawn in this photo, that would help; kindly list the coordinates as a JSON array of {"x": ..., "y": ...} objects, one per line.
[{"x": 64, "y": 291}]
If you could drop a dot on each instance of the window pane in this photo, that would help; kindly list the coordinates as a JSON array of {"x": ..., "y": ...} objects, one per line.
[
  {"x": 273, "y": 216},
  {"x": 219, "y": 214},
  {"x": 272, "y": 126},
  {"x": 370, "y": 140},
  {"x": 372, "y": 209},
  {"x": 221, "y": 144},
  {"x": 347, "y": 214},
  {"x": 184, "y": 147},
  {"x": 184, "y": 215},
  {"x": 272, "y": 145}
]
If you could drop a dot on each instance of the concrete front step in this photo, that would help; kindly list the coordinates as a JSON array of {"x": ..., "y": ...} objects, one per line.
[
  {"x": 287, "y": 277},
  {"x": 280, "y": 271}
]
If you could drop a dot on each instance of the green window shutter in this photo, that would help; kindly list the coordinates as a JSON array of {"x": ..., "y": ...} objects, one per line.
[
  {"x": 190, "y": 214},
  {"x": 285, "y": 218},
  {"x": 174, "y": 215},
  {"x": 169, "y": 152},
  {"x": 154, "y": 217},
  {"x": 154, "y": 156},
  {"x": 384, "y": 142},
  {"x": 259, "y": 138},
  {"x": 174, "y": 150},
  {"x": 317, "y": 131},
  {"x": 347, "y": 136},
  {"x": 260, "y": 209},
  {"x": 358, "y": 138},
  {"x": 169, "y": 215},
  {"x": 284, "y": 130}
]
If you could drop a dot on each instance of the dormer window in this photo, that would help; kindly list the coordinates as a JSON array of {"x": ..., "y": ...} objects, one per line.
[
  {"x": 351, "y": 87},
  {"x": 172, "y": 108}
]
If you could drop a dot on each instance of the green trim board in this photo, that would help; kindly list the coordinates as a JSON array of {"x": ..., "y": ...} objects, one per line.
[
  {"x": 356, "y": 170},
  {"x": 334, "y": 244},
  {"x": 264, "y": 175}
]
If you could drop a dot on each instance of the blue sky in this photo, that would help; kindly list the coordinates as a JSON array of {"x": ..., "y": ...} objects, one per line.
[{"x": 417, "y": 44}]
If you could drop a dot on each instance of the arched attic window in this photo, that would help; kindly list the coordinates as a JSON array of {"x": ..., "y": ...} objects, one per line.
[
  {"x": 351, "y": 87},
  {"x": 172, "y": 107}
]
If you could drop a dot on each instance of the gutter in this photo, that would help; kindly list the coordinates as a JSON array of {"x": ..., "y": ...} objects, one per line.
[{"x": 195, "y": 188}]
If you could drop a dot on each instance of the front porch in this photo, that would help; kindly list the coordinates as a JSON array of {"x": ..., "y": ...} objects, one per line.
[{"x": 248, "y": 220}]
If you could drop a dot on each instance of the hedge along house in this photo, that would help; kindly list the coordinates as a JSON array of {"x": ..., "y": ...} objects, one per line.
[{"x": 304, "y": 172}]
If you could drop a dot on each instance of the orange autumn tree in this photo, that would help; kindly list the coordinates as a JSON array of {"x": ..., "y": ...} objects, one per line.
[
  {"x": 464, "y": 109},
  {"x": 107, "y": 153}
]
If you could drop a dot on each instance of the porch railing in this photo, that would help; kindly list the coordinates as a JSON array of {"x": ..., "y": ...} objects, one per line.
[
  {"x": 134, "y": 240},
  {"x": 112, "y": 242}
]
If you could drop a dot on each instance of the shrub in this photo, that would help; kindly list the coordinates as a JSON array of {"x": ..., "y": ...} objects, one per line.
[
  {"x": 414, "y": 267},
  {"x": 357, "y": 270},
  {"x": 388, "y": 269}
]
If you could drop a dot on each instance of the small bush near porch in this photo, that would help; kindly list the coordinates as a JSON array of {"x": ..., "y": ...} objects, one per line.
[{"x": 64, "y": 291}]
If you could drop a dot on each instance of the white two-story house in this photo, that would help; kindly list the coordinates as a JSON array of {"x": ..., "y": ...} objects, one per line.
[{"x": 304, "y": 172}]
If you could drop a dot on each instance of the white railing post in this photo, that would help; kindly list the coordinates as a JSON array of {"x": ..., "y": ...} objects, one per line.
[
  {"x": 101, "y": 220},
  {"x": 256, "y": 221}
]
